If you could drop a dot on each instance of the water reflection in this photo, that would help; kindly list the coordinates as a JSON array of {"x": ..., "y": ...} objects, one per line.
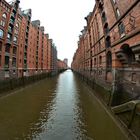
[
  {"x": 64, "y": 115},
  {"x": 59, "y": 108}
]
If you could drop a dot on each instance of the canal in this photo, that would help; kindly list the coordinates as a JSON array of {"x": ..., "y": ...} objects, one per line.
[{"x": 58, "y": 108}]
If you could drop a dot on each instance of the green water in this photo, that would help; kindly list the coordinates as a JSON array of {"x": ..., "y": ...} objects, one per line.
[{"x": 59, "y": 108}]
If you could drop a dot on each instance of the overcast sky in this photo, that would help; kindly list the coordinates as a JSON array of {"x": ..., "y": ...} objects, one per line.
[{"x": 62, "y": 19}]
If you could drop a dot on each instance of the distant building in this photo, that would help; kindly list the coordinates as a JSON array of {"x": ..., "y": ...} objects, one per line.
[
  {"x": 53, "y": 57},
  {"x": 66, "y": 61},
  {"x": 61, "y": 65}
]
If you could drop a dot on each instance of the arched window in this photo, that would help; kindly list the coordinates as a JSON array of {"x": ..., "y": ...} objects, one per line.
[
  {"x": 4, "y": 15},
  {"x": 91, "y": 64},
  {"x": 1, "y": 33},
  {"x": 104, "y": 17},
  {"x": 94, "y": 61},
  {"x": 130, "y": 56},
  {"x": 109, "y": 60},
  {"x": 100, "y": 60},
  {"x": 118, "y": 13},
  {"x": 108, "y": 42},
  {"x": 106, "y": 28}
]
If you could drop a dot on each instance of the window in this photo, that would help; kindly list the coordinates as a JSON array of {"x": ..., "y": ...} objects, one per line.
[
  {"x": 1, "y": 33},
  {"x": 114, "y": 1},
  {"x": 134, "y": 77},
  {"x": 4, "y": 15},
  {"x": 0, "y": 60},
  {"x": 16, "y": 32},
  {"x": 94, "y": 61},
  {"x": 9, "y": 36},
  {"x": 109, "y": 60},
  {"x": 0, "y": 46},
  {"x": 121, "y": 29},
  {"x": 7, "y": 48},
  {"x": 6, "y": 60},
  {"x": 2, "y": 23},
  {"x": 15, "y": 39},
  {"x": 14, "y": 50},
  {"x": 17, "y": 25},
  {"x": 100, "y": 60},
  {"x": 104, "y": 17},
  {"x": 108, "y": 42},
  {"x": 106, "y": 28},
  {"x": 14, "y": 62},
  {"x": 118, "y": 13},
  {"x": 129, "y": 55}
]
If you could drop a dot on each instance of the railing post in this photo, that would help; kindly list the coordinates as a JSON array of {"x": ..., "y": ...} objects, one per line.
[{"x": 132, "y": 116}]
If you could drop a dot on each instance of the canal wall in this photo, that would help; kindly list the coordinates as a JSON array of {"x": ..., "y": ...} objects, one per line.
[
  {"x": 123, "y": 85},
  {"x": 114, "y": 94},
  {"x": 14, "y": 83}
]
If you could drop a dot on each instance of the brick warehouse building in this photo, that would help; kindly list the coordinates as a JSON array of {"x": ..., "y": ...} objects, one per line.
[
  {"x": 24, "y": 47},
  {"x": 109, "y": 47},
  {"x": 62, "y": 65}
]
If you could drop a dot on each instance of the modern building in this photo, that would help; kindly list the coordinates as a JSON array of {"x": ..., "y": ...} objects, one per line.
[{"x": 109, "y": 47}]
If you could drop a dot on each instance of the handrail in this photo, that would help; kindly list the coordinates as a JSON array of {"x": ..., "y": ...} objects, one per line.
[
  {"x": 125, "y": 107},
  {"x": 133, "y": 106}
]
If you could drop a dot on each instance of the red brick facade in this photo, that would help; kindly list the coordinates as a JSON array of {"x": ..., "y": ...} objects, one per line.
[
  {"x": 109, "y": 47},
  {"x": 25, "y": 49},
  {"x": 62, "y": 65}
]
